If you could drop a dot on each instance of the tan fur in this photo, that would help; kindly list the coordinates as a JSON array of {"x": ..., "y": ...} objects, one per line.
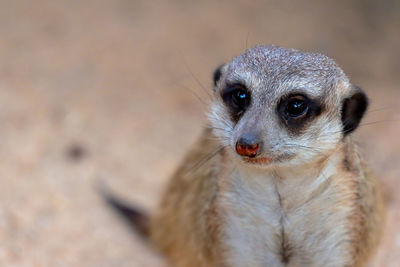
[
  {"x": 188, "y": 226},
  {"x": 220, "y": 211}
]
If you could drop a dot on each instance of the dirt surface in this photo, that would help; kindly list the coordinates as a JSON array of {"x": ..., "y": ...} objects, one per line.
[{"x": 113, "y": 91}]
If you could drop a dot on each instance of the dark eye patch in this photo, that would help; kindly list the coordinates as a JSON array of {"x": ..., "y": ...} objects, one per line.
[
  {"x": 237, "y": 99},
  {"x": 296, "y": 107},
  {"x": 296, "y": 110}
]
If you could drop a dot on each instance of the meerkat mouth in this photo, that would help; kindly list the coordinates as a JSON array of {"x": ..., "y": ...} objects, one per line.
[
  {"x": 262, "y": 160},
  {"x": 268, "y": 160}
]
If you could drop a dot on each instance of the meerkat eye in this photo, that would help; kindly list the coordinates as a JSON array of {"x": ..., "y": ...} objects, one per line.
[
  {"x": 296, "y": 107},
  {"x": 237, "y": 98},
  {"x": 296, "y": 110}
]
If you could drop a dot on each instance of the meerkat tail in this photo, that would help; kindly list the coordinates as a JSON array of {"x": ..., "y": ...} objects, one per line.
[{"x": 136, "y": 218}]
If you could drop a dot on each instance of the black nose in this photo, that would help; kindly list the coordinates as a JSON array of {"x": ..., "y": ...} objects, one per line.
[{"x": 248, "y": 147}]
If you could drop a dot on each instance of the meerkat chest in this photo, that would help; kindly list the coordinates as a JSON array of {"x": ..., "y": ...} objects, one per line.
[{"x": 267, "y": 223}]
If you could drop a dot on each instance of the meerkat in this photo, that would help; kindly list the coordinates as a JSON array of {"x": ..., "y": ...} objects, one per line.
[{"x": 276, "y": 180}]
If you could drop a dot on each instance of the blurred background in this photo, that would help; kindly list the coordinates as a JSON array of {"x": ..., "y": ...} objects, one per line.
[{"x": 117, "y": 90}]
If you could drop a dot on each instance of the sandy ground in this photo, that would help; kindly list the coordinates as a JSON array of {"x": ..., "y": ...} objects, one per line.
[{"x": 115, "y": 91}]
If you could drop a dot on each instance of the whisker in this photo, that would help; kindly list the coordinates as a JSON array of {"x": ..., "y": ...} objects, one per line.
[
  {"x": 194, "y": 77},
  {"x": 302, "y": 146},
  {"x": 361, "y": 125},
  {"x": 219, "y": 128},
  {"x": 205, "y": 159},
  {"x": 247, "y": 39},
  {"x": 376, "y": 122},
  {"x": 379, "y": 109},
  {"x": 312, "y": 149},
  {"x": 195, "y": 94}
]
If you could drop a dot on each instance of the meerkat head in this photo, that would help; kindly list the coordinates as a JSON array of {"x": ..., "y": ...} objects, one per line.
[{"x": 282, "y": 106}]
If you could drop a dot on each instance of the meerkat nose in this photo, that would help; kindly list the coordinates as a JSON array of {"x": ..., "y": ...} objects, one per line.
[{"x": 248, "y": 147}]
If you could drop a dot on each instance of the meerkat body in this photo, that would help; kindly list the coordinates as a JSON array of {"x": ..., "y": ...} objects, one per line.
[
  {"x": 222, "y": 215},
  {"x": 276, "y": 180}
]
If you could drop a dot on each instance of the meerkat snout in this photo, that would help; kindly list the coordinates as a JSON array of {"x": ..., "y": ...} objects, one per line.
[{"x": 248, "y": 146}]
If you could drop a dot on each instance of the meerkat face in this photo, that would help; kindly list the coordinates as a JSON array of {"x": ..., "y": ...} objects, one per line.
[{"x": 275, "y": 106}]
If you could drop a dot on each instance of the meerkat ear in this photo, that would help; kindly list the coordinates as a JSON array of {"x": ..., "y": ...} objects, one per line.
[
  {"x": 353, "y": 109},
  {"x": 217, "y": 74}
]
